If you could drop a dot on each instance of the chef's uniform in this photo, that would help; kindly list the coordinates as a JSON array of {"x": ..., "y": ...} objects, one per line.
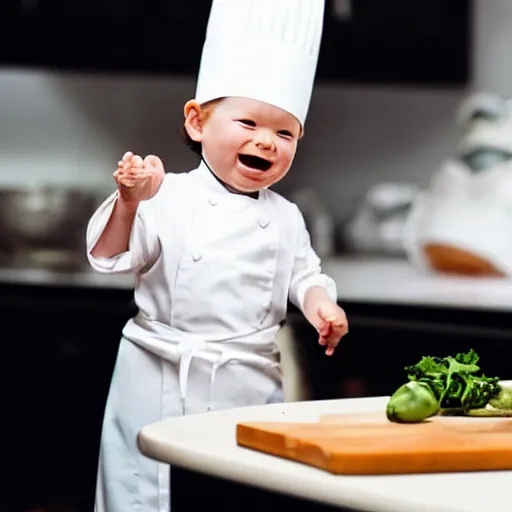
[{"x": 214, "y": 269}]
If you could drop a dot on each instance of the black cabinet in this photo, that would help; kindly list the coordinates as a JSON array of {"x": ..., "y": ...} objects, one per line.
[
  {"x": 365, "y": 41},
  {"x": 133, "y": 36},
  {"x": 63, "y": 343},
  {"x": 397, "y": 41}
]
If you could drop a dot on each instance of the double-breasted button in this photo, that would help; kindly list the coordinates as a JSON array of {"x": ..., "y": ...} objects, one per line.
[
  {"x": 213, "y": 201},
  {"x": 196, "y": 255},
  {"x": 263, "y": 221}
]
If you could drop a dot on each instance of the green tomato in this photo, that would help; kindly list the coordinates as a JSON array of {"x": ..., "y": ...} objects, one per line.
[{"x": 411, "y": 403}]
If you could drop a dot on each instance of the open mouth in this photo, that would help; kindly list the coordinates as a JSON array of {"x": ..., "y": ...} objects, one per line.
[{"x": 255, "y": 162}]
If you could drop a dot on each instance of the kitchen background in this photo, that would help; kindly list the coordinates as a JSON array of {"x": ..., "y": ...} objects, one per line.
[
  {"x": 383, "y": 111},
  {"x": 69, "y": 129}
]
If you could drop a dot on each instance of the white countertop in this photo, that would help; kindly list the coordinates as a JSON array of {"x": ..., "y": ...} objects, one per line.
[
  {"x": 207, "y": 443},
  {"x": 396, "y": 281},
  {"x": 370, "y": 280}
]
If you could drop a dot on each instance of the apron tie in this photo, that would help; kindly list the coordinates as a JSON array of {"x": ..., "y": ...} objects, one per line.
[
  {"x": 183, "y": 371},
  {"x": 185, "y": 360},
  {"x": 222, "y": 360},
  {"x": 179, "y": 347}
]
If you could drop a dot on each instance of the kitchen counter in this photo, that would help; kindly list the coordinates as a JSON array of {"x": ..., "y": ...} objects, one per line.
[
  {"x": 396, "y": 281},
  {"x": 206, "y": 443},
  {"x": 365, "y": 280},
  {"x": 77, "y": 279}
]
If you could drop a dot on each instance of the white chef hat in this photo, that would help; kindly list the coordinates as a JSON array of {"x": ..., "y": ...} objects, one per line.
[{"x": 262, "y": 49}]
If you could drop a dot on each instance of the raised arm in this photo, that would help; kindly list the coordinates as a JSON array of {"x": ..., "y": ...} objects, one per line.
[{"x": 121, "y": 233}]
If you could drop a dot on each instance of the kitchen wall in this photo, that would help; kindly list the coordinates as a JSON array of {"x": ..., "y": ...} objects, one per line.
[{"x": 58, "y": 128}]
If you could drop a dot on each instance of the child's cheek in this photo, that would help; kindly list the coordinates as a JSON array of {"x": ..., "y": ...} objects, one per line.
[{"x": 288, "y": 151}]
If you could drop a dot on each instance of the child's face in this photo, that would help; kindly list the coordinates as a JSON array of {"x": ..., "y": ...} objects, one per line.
[{"x": 248, "y": 143}]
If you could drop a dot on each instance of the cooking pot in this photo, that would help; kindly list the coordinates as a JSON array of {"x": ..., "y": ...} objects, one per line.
[{"x": 36, "y": 218}]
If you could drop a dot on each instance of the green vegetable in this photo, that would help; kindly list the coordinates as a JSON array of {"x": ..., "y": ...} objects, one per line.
[
  {"x": 503, "y": 400},
  {"x": 449, "y": 385},
  {"x": 489, "y": 412},
  {"x": 413, "y": 402},
  {"x": 499, "y": 406},
  {"x": 457, "y": 382}
]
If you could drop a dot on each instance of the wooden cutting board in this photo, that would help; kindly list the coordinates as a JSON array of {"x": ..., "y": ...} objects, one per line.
[{"x": 369, "y": 444}]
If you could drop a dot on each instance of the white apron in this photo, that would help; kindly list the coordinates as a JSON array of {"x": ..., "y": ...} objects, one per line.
[{"x": 215, "y": 271}]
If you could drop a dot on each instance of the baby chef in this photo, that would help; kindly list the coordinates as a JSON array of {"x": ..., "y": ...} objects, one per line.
[{"x": 216, "y": 254}]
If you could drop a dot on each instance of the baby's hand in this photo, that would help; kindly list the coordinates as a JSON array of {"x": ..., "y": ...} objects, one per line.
[
  {"x": 138, "y": 180},
  {"x": 334, "y": 326}
]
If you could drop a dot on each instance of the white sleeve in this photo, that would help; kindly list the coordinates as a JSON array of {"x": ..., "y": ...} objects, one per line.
[
  {"x": 307, "y": 271},
  {"x": 143, "y": 247}
]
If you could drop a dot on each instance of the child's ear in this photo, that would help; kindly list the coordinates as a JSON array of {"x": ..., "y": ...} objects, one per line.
[{"x": 193, "y": 123}]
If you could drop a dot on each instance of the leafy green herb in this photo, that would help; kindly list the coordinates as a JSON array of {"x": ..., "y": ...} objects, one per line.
[
  {"x": 448, "y": 385},
  {"x": 457, "y": 382}
]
